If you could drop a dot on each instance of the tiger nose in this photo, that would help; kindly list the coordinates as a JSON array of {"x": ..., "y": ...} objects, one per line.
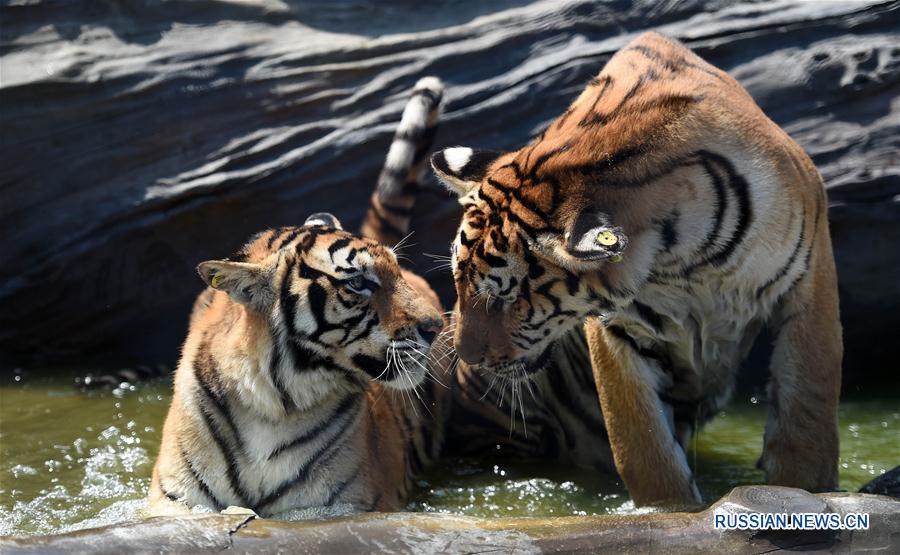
[{"x": 429, "y": 330}]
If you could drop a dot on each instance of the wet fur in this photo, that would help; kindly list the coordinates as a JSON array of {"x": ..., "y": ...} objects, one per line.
[{"x": 294, "y": 391}]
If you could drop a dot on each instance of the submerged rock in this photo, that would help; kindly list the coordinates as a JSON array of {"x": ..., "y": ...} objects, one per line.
[
  {"x": 140, "y": 138},
  {"x": 886, "y": 484},
  {"x": 431, "y": 533}
]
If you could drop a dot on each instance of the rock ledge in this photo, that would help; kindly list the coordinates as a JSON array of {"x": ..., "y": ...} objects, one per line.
[{"x": 429, "y": 533}]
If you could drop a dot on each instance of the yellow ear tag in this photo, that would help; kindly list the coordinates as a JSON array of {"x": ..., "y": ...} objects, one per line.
[
  {"x": 615, "y": 259},
  {"x": 607, "y": 238},
  {"x": 216, "y": 280}
]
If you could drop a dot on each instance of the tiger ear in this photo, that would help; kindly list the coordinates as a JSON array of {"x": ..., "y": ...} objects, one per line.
[
  {"x": 591, "y": 236},
  {"x": 323, "y": 219},
  {"x": 461, "y": 168},
  {"x": 248, "y": 284}
]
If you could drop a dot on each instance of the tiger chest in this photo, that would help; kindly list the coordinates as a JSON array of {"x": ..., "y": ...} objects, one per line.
[
  {"x": 701, "y": 333},
  {"x": 299, "y": 460}
]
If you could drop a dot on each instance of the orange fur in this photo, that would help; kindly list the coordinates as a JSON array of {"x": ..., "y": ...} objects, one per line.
[{"x": 719, "y": 222}]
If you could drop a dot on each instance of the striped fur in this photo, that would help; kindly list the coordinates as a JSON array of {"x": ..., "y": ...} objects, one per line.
[
  {"x": 297, "y": 379},
  {"x": 668, "y": 216}
]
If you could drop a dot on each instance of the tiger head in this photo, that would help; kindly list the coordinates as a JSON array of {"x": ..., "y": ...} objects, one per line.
[
  {"x": 331, "y": 299},
  {"x": 526, "y": 258}
]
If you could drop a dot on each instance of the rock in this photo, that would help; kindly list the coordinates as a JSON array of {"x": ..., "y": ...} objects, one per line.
[
  {"x": 140, "y": 138},
  {"x": 434, "y": 533}
]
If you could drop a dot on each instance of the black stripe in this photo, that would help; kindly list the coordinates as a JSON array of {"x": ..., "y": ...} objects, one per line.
[
  {"x": 217, "y": 504},
  {"x": 434, "y": 98},
  {"x": 491, "y": 260},
  {"x": 562, "y": 120},
  {"x": 599, "y": 169},
  {"x": 288, "y": 238},
  {"x": 649, "y": 315},
  {"x": 594, "y": 118},
  {"x": 606, "y": 81},
  {"x": 215, "y": 429},
  {"x": 276, "y": 233},
  {"x": 623, "y": 335},
  {"x": 790, "y": 261},
  {"x": 288, "y": 301},
  {"x": 169, "y": 495},
  {"x": 669, "y": 232},
  {"x": 740, "y": 187},
  {"x": 374, "y": 366},
  {"x": 314, "y": 432},
  {"x": 275, "y": 361},
  {"x": 672, "y": 65},
  {"x": 425, "y": 143},
  {"x": 510, "y": 193},
  {"x": 802, "y": 273},
  {"x": 303, "y": 472},
  {"x": 409, "y": 134},
  {"x": 721, "y": 206},
  {"x": 544, "y": 158},
  {"x": 338, "y": 245},
  {"x": 336, "y": 492},
  {"x": 317, "y": 299},
  {"x": 370, "y": 324},
  {"x": 654, "y": 55}
]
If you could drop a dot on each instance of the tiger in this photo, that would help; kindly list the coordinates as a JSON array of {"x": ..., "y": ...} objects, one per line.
[
  {"x": 303, "y": 355},
  {"x": 553, "y": 417},
  {"x": 667, "y": 219}
]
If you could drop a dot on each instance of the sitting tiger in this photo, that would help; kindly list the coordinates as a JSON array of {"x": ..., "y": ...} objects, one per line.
[
  {"x": 295, "y": 383},
  {"x": 668, "y": 216}
]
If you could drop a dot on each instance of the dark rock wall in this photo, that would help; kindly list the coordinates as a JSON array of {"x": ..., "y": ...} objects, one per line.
[{"x": 141, "y": 137}]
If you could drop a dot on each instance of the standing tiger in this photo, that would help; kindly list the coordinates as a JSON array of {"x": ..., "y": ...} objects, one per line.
[
  {"x": 297, "y": 377},
  {"x": 665, "y": 213}
]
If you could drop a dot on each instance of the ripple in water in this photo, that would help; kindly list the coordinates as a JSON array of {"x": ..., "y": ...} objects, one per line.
[{"x": 71, "y": 460}]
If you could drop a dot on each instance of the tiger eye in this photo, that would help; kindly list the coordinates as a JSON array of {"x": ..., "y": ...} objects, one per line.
[{"x": 607, "y": 238}]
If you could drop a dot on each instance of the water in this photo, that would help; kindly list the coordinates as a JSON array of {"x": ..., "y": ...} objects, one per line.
[{"x": 72, "y": 460}]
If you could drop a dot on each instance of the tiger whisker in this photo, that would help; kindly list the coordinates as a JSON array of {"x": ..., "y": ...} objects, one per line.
[
  {"x": 388, "y": 365},
  {"x": 527, "y": 379},
  {"x": 407, "y": 374},
  {"x": 505, "y": 380},
  {"x": 439, "y": 268},
  {"x": 437, "y": 256},
  {"x": 419, "y": 363},
  {"x": 401, "y": 243},
  {"x": 439, "y": 357},
  {"x": 521, "y": 370},
  {"x": 490, "y": 386}
]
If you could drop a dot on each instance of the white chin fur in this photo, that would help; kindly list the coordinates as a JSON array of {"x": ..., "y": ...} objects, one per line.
[{"x": 410, "y": 379}]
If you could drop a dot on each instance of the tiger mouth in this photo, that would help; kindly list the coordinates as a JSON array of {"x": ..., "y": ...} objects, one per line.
[
  {"x": 406, "y": 368},
  {"x": 521, "y": 369}
]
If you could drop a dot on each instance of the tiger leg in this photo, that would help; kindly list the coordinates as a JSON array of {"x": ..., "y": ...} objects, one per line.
[
  {"x": 648, "y": 457},
  {"x": 801, "y": 437}
]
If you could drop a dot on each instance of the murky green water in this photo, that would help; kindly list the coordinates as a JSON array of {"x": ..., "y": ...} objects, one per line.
[{"x": 70, "y": 460}]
